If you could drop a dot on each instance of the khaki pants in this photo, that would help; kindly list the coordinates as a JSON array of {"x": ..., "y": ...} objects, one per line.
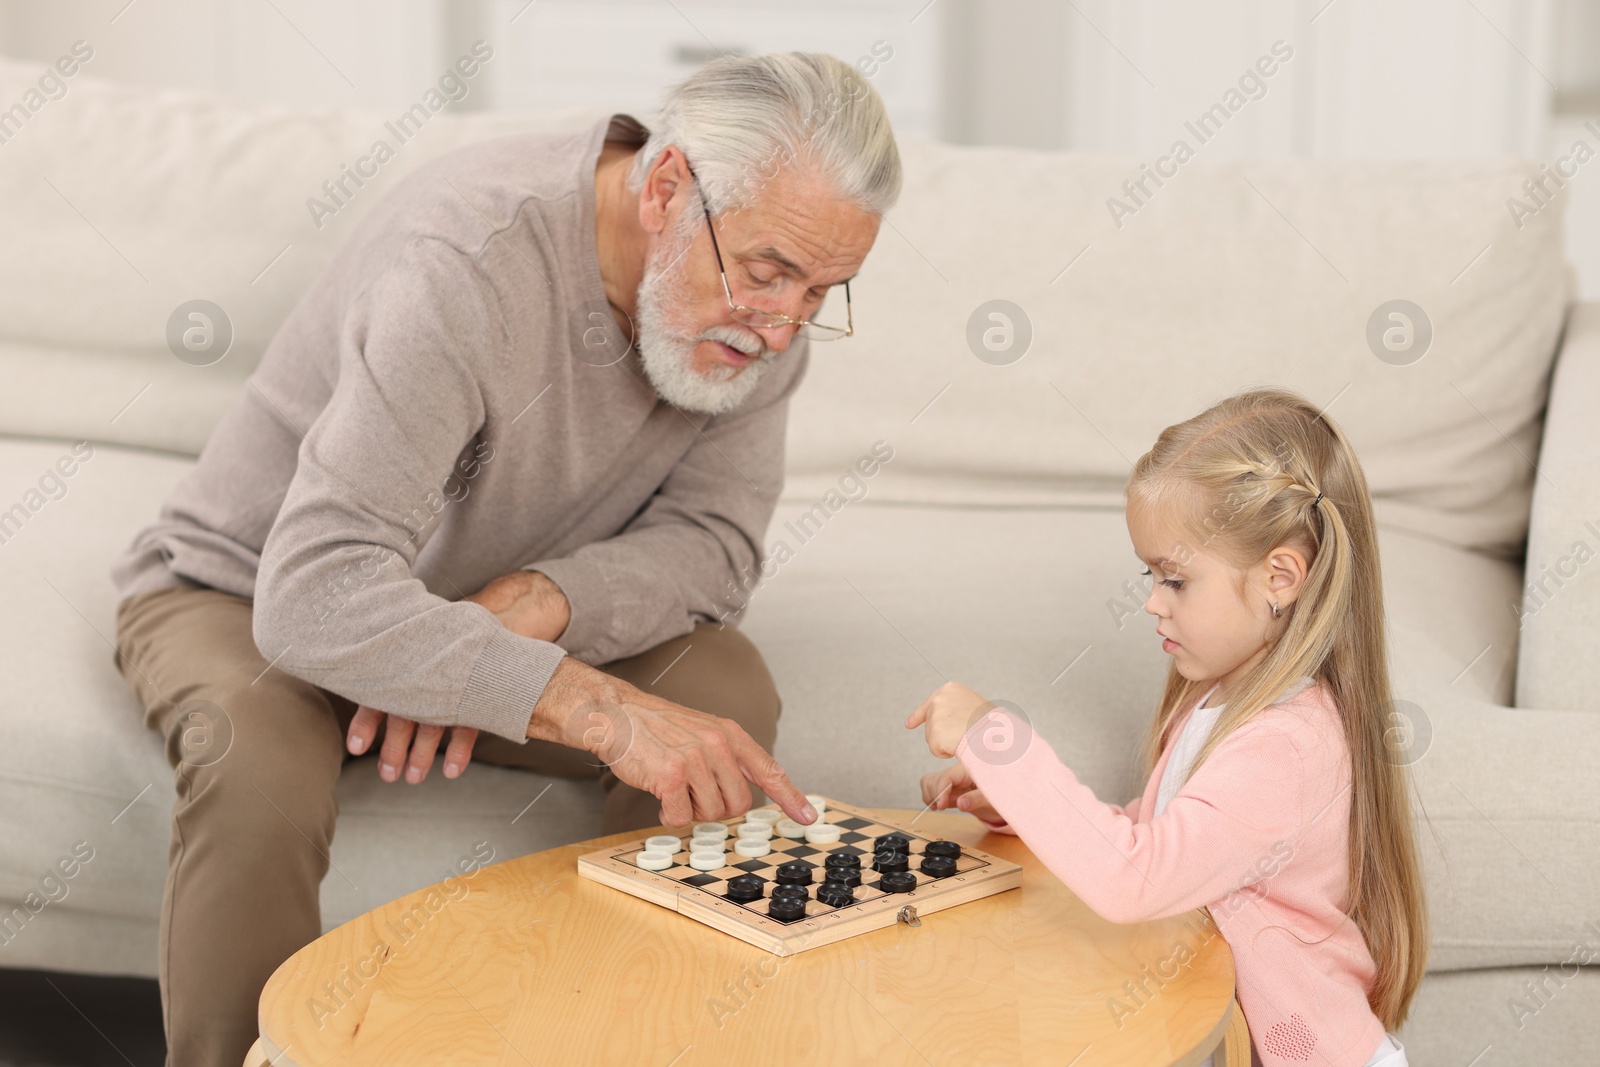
[{"x": 257, "y": 754}]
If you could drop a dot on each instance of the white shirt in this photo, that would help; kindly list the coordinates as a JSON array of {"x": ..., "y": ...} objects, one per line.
[{"x": 1185, "y": 749}]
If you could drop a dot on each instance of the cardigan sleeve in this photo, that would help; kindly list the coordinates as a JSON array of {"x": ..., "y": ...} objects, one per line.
[
  {"x": 1131, "y": 810},
  {"x": 1237, "y": 808}
]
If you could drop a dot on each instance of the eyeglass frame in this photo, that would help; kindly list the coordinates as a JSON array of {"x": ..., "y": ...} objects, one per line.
[{"x": 848, "y": 330}]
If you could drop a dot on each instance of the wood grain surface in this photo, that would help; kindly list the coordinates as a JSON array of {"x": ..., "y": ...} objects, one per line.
[{"x": 523, "y": 962}]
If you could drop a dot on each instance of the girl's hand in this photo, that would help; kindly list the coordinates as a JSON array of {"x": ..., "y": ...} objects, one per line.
[
  {"x": 948, "y": 712},
  {"x": 953, "y": 787}
]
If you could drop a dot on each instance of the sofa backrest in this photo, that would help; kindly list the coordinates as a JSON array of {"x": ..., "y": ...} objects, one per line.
[
  {"x": 1145, "y": 300},
  {"x": 119, "y": 203},
  {"x": 1230, "y": 275}
]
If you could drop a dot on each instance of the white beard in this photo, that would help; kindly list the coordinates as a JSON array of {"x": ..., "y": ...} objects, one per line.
[{"x": 668, "y": 354}]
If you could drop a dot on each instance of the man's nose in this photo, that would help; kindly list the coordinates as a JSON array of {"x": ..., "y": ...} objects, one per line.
[{"x": 777, "y": 338}]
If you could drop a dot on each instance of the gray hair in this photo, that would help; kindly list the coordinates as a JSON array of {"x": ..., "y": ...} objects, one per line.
[{"x": 741, "y": 119}]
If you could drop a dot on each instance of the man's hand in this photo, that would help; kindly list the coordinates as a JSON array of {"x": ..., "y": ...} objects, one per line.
[
  {"x": 696, "y": 764},
  {"x": 525, "y": 602},
  {"x": 411, "y": 745}
]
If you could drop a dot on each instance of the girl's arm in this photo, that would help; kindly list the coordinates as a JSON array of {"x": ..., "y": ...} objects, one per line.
[
  {"x": 1131, "y": 811},
  {"x": 1220, "y": 832}
]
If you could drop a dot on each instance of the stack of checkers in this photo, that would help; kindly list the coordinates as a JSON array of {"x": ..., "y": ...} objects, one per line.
[{"x": 768, "y": 869}]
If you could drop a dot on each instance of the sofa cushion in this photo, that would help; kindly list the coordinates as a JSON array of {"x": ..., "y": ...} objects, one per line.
[
  {"x": 209, "y": 202},
  {"x": 1233, "y": 274},
  {"x": 77, "y": 764},
  {"x": 886, "y": 601},
  {"x": 867, "y": 616}
]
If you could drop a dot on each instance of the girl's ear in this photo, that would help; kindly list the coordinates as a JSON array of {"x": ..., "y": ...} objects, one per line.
[{"x": 1286, "y": 574}]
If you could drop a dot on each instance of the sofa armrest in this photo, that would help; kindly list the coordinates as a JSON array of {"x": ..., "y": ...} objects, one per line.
[
  {"x": 1560, "y": 611},
  {"x": 1507, "y": 816}
]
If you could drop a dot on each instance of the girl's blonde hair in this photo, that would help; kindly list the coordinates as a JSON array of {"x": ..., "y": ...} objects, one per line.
[{"x": 1242, "y": 478}]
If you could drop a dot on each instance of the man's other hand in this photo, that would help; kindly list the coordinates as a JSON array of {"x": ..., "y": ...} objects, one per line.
[
  {"x": 525, "y": 602},
  {"x": 410, "y": 745}
]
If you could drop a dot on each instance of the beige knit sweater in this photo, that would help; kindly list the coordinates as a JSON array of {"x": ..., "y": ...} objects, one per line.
[{"x": 429, "y": 418}]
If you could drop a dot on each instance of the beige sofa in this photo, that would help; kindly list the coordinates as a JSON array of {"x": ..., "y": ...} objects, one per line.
[{"x": 990, "y": 548}]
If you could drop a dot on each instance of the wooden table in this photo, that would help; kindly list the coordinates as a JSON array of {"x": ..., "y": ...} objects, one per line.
[{"x": 529, "y": 964}]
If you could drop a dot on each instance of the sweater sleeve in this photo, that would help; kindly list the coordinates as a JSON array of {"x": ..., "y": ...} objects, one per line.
[
  {"x": 683, "y": 557},
  {"x": 335, "y": 600},
  {"x": 1234, "y": 812}
]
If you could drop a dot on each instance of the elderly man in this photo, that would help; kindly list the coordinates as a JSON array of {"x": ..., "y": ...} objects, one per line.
[{"x": 554, "y": 372}]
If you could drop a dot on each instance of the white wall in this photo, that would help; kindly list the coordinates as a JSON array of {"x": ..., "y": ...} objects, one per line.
[
  {"x": 625, "y": 53},
  {"x": 374, "y": 53},
  {"x": 1368, "y": 78},
  {"x": 551, "y": 53}
]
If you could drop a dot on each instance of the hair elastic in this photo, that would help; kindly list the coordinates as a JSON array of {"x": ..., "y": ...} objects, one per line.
[{"x": 1276, "y": 614}]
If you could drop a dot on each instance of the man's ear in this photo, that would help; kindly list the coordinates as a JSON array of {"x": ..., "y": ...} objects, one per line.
[{"x": 667, "y": 180}]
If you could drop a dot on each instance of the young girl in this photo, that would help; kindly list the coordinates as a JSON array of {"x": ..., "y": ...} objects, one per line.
[{"x": 1272, "y": 798}]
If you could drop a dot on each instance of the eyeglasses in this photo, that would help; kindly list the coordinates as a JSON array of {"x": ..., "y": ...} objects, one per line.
[{"x": 766, "y": 320}]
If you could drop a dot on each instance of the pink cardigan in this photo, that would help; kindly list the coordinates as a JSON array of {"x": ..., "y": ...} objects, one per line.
[{"x": 1258, "y": 834}]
